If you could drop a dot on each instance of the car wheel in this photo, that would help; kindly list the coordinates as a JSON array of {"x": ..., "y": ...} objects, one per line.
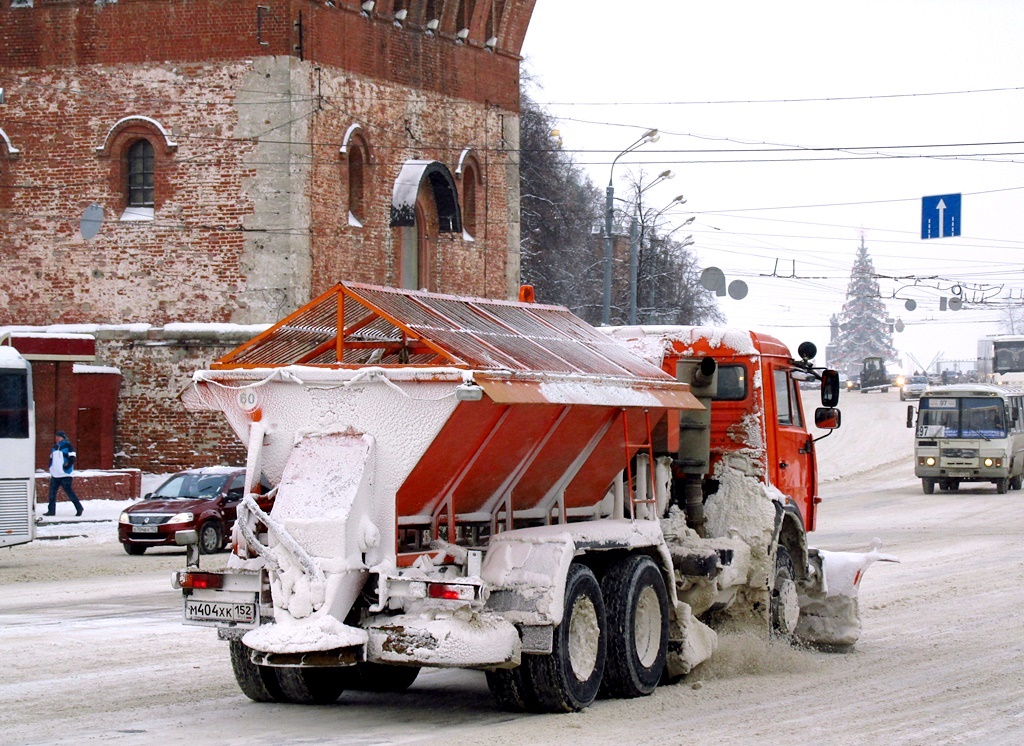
[
  {"x": 784, "y": 607},
  {"x": 210, "y": 539},
  {"x": 568, "y": 679},
  {"x": 134, "y": 549},
  {"x": 636, "y": 604}
]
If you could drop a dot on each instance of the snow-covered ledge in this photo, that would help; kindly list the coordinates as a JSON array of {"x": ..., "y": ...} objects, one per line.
[{"x": 137, "y": 214}]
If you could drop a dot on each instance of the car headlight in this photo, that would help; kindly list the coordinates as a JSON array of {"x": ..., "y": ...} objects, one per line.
[
  {"x": 124, "y": 518},
  {"x": 181, "y": 518}
]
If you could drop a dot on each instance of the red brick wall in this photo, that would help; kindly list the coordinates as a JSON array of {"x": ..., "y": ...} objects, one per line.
[
  {"x": 125, "y": 484},
  {"x": 251, "y": 215}
]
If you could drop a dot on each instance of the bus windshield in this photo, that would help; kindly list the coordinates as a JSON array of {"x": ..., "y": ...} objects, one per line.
[
  {"x": 967, "y": 417},
  {"x": 13, "y": 404}
]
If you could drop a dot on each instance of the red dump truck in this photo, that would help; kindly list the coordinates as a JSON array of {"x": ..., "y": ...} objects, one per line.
[{"x": 475, "y": 483}]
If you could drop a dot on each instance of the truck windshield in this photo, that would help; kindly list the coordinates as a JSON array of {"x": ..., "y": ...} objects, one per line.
[{"x": 961, "y": 418}]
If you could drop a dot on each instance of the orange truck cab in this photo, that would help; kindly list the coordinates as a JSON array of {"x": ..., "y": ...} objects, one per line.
[{"x": 757, "y": 418}]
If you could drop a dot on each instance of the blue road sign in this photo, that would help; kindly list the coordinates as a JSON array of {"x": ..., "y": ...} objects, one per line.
[{"x": 940, "y": 216}]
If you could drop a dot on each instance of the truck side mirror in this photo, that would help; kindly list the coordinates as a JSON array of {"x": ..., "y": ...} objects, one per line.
[
  {"x": 827, "y": 418},
  {"x": 829, "y": 388},
  {"x": 910, "y": 415}
]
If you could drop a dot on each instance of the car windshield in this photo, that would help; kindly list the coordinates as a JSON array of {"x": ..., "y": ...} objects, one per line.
[
  {"x": 191, "y": 485},
  {"x": 919, "y": 380}
]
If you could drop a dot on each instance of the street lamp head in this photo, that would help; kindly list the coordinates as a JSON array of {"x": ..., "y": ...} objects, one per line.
[
  {"x": 667, "y": 174},
  {"x": 651, "y": 133},
  {"x": 678, "y": 199}
]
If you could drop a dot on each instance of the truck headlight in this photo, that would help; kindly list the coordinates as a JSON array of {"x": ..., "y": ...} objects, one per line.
[
  {"x": 181, "y": 518},
  {"x": 930, "y": 461},
  {"x": 989, "y": 462}
]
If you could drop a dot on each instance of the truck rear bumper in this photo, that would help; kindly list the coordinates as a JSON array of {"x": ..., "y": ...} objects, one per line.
[{"x": 444, "y": 640}]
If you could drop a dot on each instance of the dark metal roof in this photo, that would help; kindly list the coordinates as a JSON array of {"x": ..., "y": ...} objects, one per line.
[{"x": 388, "y": 326}]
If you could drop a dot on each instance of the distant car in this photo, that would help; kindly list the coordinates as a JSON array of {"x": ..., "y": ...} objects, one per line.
[
  {"x": 205, "y": 500},
  {"x": 853, "y": 382},
  {"x": 913, "y": 388}
]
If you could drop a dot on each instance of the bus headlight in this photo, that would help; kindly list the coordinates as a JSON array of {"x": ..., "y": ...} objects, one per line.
[
  {"x": 989, "y": 462},
  {"x": 930, "y": 461}
]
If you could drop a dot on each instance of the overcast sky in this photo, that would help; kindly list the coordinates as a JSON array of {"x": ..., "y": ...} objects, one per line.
[{"x": 865, "y": 85}]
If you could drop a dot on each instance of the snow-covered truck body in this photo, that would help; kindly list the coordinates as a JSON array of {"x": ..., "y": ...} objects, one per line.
[{"x": 476, "y": 483}]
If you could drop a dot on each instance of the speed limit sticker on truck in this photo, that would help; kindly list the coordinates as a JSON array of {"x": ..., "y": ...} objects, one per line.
[{"x": 235, "y": 613}]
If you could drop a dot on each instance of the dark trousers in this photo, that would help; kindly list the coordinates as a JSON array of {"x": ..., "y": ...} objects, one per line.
[{"x": 65, "y": 484}]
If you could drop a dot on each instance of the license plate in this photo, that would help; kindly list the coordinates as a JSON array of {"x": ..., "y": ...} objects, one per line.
[
  {"x": 145, "y": 529},
  {"x": 958, "y": 472},
  {"x": 220, "y": 611}
]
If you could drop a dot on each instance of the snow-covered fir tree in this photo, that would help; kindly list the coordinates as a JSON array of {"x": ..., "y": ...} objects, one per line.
[{"x": 863, "y": 328}]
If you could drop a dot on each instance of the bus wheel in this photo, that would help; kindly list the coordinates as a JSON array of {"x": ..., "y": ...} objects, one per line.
[
  {"x": 928, "y": 485},
  {"x": 568, "y": 679},
  {"x": 637, "y": 606},
  {"x": 1001, "y": 485},
  {"x": 258, "y": 683}
]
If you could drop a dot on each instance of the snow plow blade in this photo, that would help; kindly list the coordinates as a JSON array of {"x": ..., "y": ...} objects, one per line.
[{"x": 829, "y": 610}]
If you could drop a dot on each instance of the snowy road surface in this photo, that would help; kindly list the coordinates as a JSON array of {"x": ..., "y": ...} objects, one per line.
[{"x": 92, "y": 650}]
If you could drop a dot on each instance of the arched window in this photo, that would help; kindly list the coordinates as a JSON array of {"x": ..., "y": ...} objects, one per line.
[
  {"x": 356, "y": 177},
  {"x": 140, "y": 174},
  {"x": 468, "y": 172}
]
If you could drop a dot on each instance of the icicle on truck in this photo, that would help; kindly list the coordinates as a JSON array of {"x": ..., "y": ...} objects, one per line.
[{"x": 496, "y": 485}]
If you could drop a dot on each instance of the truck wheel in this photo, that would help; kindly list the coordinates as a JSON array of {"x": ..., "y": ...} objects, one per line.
[
  {"x": 134, "y": 549},
  {"x": 1002, "y": 485},
  {"x": 512, "y": 688},
  {"x": 636, "y": 604},
  {"x": 310, "y": 686},
  {"x": 569, "y": 678},
  {"x": 258, "y": 683},
  {"x": 928, "y": 485},
  {"x": 1015, "y": 483},
  {"x": 954, "y": 485},
  {"x": 784, "y": 606},
  {"x": 377, "y": 677},
  {"x": 210, "y": 539}
]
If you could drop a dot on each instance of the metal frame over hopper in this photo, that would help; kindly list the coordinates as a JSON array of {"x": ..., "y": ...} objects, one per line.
[{"x": 549, "y": 411}]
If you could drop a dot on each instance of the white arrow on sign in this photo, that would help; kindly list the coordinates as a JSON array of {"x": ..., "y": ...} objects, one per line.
[{"x": 941, "y": 208}]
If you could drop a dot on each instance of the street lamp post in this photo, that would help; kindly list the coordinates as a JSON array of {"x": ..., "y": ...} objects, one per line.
[
  {"x": 635, "y": 238},
  {"x": 650, "y": 135}
]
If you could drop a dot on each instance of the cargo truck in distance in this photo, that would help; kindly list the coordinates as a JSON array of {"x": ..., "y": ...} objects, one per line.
[{"x": 474, "y": 483}]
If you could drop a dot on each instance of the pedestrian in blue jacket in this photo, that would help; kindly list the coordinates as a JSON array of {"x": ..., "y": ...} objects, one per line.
[{"x": 62, "y": 463}]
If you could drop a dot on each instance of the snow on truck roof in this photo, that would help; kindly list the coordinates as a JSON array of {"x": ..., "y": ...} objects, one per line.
[{"x": 386, "y": 327}]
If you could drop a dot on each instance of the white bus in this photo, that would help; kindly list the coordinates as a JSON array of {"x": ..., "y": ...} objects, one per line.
[
  {"x": 17, "y": 449},
  {"x": 969, "y": 433}
]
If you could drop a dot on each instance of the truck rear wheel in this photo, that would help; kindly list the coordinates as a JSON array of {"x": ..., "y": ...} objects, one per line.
[
  {"x": 377, "y": 677},
  {"x": 636, "y": 604},
  {"x": 310, "y": 686},
  {"x": 785, "y": 603},
  {"x": 928, "y": 485},
  {"x": 569, "y": 678},
  {"x": 1015, "y": 482},
  {"x": 258, "y": 683},
  {"x": 512, "y": 688}
]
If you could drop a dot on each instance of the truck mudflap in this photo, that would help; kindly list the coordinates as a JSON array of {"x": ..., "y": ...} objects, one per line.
[
  {"x": 690, "y": 642},
  {"x": 447, "y": 638},
  {"x": 829, "y": 610}
]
